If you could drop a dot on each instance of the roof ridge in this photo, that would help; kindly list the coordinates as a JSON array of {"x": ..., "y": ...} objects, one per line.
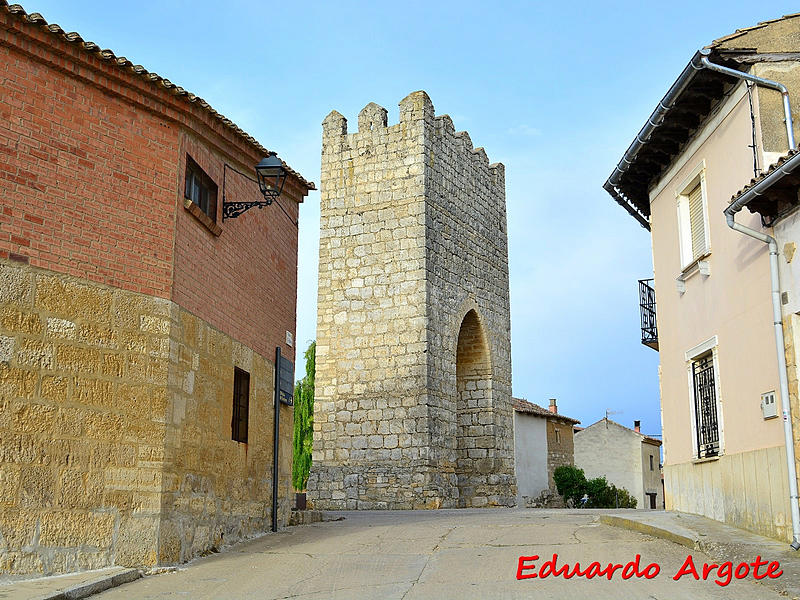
[
  {"x": 523, "y": 405},
  {"x": 644, "y": 435},
  {"x": 743, "y": 30},
  {"x": 73, "y": 37}
]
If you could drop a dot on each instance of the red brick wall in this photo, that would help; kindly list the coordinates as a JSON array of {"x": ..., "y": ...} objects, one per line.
[
  {"x": 92, "y": 162},
  {"x": 244, "y": 281},
  {"x": 83, "y": 178}
]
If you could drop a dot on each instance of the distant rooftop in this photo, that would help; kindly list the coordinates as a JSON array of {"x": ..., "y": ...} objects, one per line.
[
  {"x": 647, "y": 438},
  {"x": 523, "y": 406}
]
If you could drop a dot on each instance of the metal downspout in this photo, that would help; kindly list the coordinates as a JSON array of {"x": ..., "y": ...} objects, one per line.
[
  {"x": 768, "y": 83},
  {"x": 777, "y": 318}
]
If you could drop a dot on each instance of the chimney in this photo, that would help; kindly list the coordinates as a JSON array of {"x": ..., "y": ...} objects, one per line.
[
  {"x": 553, "y": 406},
  {"x": 637, "y": 425}
]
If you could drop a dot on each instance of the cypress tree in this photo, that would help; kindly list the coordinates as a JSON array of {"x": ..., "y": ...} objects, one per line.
[{"x": 304, "y": 421}]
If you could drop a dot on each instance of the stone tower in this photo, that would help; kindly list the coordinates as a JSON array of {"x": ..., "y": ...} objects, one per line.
[{"x": 413, "y": 381}]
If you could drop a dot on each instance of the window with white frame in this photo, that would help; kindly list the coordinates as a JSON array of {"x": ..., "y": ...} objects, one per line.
[
  {"x": 693, "y": 217},
  {"x": 704, "y": 396},
  {"x": 704, "y": 382}
]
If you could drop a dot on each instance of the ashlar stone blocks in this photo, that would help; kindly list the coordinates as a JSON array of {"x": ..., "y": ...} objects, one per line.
[
  {"x": 413, "y": 398},
  {"x": 115, "y": 429}
]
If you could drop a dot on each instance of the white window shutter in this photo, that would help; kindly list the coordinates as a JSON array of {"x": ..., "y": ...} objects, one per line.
[{"x": 697, "y": 222}]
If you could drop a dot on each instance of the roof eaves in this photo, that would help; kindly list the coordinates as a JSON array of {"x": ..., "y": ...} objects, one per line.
[
  {"x": 773, "y": 193},
  {"x": 628, "y": 191},
  {"x": 123, "y": 63},
  {"x": 524, "y": 406},
  {"x": 655, "y": 120},
  {"x": 776, "y": 171}
]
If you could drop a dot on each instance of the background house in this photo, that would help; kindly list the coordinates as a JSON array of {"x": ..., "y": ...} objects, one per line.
[
  {"x": 543, "y": 441},
  {"x": 725, "y": 454},
  {"x": 625, "y": 457},
  {"x": 138, "y": 331}
]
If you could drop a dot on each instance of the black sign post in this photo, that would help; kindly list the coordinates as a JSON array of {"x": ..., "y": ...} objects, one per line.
[{"x": 284, "y": 394}]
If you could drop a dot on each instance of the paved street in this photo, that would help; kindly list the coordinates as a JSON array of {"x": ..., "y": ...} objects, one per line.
[{"x": 438, "y": 554}]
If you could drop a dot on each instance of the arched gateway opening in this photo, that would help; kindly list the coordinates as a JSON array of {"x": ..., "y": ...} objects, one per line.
[{"x": 474, "y": 412}]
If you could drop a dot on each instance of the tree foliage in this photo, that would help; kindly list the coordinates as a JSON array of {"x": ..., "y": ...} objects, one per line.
[
  {"x": 304, "y": 421},
  {"x": 572, "y": 484}
]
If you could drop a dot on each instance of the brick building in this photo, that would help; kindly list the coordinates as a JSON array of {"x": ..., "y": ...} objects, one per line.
[{"x": 128, "y": 311}]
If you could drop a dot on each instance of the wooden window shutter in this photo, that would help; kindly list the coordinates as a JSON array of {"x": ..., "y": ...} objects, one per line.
[
  {"x": 241, "y": 405},
  {"x": 697, "y": 222}
]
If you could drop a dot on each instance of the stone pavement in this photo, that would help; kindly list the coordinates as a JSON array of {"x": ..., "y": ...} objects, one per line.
[
  {"x": 66, "y": 587},
  {"x": 463, "y": 554},
  {"x": 721, "y": 542}
]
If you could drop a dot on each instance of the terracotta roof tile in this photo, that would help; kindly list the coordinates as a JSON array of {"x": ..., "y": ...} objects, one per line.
[
  {"x": 772, "y": 168},
  {"x": 523, "y": 406},
  {"x": 123, "y": 63}
]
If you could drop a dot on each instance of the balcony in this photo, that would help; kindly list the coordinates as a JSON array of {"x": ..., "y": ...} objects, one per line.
[{"x": 647, "y": 308}]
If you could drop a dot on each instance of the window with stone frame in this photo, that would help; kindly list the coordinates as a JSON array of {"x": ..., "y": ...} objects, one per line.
[
  {"x": 241, "y": 405},
  {"x": 200, "y": 189}
]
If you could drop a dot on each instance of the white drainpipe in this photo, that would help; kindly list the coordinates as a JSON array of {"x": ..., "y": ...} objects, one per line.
[{"x": 777, "y": 319}]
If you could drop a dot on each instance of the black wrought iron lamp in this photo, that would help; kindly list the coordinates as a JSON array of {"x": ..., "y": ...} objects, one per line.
[{"x": 271, "y": 175}]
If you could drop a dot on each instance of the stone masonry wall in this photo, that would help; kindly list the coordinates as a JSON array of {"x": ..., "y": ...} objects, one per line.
[
  {"x": 220, "y": 490},
  {"x": 405, "y": 256},
  {"x": 369, "y": 410},
  {"x": 560, "y": 448},
  {"x": 115, "y": 411},
  {"x": 468, "y": 290}
]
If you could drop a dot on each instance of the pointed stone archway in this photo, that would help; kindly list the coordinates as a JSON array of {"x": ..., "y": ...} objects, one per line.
[{"x": 474, "y": 414}]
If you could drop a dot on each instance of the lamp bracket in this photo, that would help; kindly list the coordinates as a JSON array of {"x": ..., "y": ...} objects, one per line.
[{"x": 231, "y": 210}]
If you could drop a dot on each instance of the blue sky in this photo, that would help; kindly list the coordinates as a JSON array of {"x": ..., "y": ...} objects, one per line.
[{"x": 555, "y": 90}]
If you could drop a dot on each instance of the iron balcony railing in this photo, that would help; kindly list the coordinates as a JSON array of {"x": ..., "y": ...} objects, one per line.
[{"x": 647, "y": 308}]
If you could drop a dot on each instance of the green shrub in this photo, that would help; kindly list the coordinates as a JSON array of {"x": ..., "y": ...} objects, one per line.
[
  {"x": 625, "y": 500},
  {"x": 572, "y": 484}
]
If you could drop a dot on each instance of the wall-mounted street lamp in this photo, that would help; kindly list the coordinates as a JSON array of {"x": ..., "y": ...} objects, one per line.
[{"x": 271, "y": 175}]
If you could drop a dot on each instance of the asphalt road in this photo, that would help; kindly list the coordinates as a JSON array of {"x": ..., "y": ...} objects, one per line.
[{"x": 459, "y": 554}]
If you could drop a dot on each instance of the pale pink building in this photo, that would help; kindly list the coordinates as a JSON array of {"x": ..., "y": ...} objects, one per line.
[{"x": 726, "y": 393}]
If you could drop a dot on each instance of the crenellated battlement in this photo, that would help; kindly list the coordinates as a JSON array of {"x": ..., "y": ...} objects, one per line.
[
  {"x": 418, "y": 127},
  {"x": 417, "y": 106},
  {"x": 371, "y": 117}
]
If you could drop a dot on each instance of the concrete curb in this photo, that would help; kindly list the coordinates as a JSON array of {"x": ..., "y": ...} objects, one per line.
[
  {"x": 305, "y": 517},
  {"x": 623, "y": 523},
  {"x": 89, "y": 588}
]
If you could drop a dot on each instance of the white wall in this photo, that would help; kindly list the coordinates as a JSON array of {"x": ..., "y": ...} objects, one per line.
[
  {"x": 530, "y": 454},
  {"x": 651, "y": 480},
  {"x": 608, "y": 450}
]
